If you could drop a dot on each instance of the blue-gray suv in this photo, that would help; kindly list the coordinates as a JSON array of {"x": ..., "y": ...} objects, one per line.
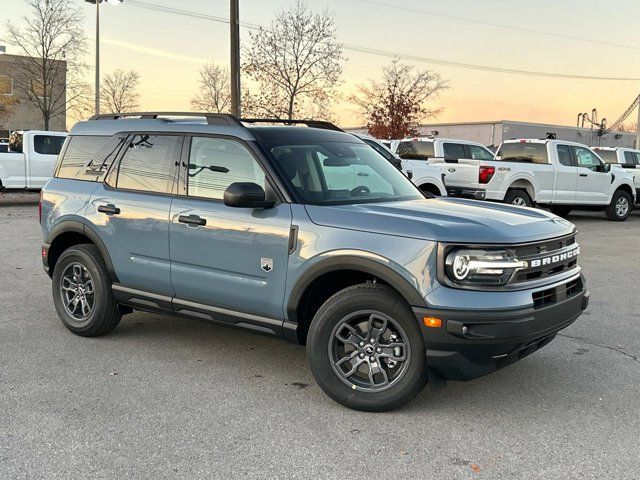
[{"x": 302, "y": 232}]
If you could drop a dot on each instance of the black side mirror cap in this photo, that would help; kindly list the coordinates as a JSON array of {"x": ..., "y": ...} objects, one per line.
[
  {"x": 246, "y": 195},
  {"x": 606, "y": 167}
]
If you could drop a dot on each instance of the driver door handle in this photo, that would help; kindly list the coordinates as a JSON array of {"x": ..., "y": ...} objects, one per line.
[{"x": 192, "y": 220}]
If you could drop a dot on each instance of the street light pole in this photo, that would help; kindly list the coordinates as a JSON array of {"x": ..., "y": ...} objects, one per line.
[{"x": 234, "y": 27}]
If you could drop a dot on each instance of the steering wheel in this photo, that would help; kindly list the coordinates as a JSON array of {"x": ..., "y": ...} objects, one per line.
[{"x": 359, "y": 190}]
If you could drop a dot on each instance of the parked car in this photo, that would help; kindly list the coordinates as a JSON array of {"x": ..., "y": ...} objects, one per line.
[
  {"x": 31, "y": 158},
  {"x": 558, "y": 174},
  {"x": 382, "y": 149},
  {"x": 265, "y": 228},
  {"x": 627, "y": 158},
  {"x": 417, "y": 153},
  {"x": 4, "y": 147}
]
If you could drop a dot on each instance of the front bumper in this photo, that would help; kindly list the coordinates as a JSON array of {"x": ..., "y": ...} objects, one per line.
[
  {"x": 475, "y": 194},
  {"x": 470, "y": 344}
]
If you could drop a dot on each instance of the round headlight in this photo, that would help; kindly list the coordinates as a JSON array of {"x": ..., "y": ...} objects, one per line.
[{"x": 460, "y": 267}]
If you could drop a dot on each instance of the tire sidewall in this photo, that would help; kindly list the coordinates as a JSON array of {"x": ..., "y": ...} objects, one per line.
[
  {"x": 319, "y": 338},
  {"x": 614, "y": 200},
  {"x": 101, "y": 285}
]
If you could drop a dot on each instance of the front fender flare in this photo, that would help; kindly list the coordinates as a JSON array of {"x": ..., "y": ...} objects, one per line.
[{"x": 350, "y": 261}]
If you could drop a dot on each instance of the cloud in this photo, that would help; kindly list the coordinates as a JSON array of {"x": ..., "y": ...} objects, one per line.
[{"x": 154, "y": 51}]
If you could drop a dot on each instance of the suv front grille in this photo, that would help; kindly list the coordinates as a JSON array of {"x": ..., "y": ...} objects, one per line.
[
  {"x": 546, "y": 259},
  {"x": 557, "y": 294}
]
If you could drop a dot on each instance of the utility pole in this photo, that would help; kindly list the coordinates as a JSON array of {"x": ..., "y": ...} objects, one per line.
[
  {"x": 638, "y": 126},
  {"x": 234, "y": 26},
  {"x": 98, "y": 57}
]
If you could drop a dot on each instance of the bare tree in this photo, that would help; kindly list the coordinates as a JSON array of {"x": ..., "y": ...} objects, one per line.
[
  {"x": 393, "y": 106},
  {"x": 50, "y": 69},
  {"x": 631, "y": 127},
  {"x": 215, "y": 90},
  {"x": 295, "y": 65},
  {"x": 119, "y": 92}
]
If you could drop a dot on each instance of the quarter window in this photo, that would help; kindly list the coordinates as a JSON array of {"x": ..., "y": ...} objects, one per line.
[
  {"x": 149, "y": 163},
  {"x": 216, "y": 163},
  {"x": 88, "y": 157},
  {"x": 632, "y": 158}
]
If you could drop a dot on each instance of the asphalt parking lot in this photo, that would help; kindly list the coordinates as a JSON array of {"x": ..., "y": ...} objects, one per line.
[{"x": 162, "y": 397}]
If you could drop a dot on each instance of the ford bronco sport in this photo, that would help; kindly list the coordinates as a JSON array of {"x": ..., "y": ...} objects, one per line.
[{"x": 303, "y": 233}]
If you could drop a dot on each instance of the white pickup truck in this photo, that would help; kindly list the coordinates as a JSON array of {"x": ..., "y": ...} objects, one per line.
[
  {"x": 417, "y": 155},
  {"x": 626, "y": 158},
  {"x": 31, "y": 159},
  {"x": 559, "y": 174}
]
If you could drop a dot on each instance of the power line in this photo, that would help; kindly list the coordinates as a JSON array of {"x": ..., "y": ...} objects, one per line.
[
  {"x": 390, "y": 54},
  {"x": 500, "y": 25},
  {"x": 618, "y": 123}
]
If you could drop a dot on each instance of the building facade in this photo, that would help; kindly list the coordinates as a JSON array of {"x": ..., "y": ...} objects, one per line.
[
  {"x": 17, "y": 112},
  {"x": 493, "y": 133}
]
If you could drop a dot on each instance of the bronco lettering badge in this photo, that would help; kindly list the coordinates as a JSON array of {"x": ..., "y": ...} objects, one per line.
[{"x": 560, "y": 257}]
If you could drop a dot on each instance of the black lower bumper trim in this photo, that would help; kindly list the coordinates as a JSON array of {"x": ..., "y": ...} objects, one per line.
[
  {"x": 471, "y": 344},
  {"x": 466, "y": 193}
]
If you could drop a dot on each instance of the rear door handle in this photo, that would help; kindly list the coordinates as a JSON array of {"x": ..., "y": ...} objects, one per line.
[
  {"x": 109, "y": 209},
  {"x": 584, "y": 174},
  {"x": 192, "y": 220}
]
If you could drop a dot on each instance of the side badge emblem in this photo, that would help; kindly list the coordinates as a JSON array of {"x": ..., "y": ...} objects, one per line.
[{"x": 266, "y": 264}]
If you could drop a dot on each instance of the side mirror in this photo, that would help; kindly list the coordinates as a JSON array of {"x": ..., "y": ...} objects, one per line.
[
  {"x": 246, "y": 195},
  {"x": 606, "y": 167}
]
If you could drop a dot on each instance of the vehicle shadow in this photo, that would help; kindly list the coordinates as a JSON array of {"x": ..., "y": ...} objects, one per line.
[{"x": 542, "y": 378}]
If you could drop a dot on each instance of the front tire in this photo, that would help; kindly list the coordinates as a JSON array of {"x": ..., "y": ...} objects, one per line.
[
  {"x": 82, "y": 292},
  {"x": 365, "y": 349},
  {"x": 620, "y": 207}
]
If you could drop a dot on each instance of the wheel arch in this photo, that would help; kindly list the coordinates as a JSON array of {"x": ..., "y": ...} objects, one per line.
[
  {"x": 72, "y": 232},
  {"x": 332, "y": 274},
  {"x": 523, "y": 183}
]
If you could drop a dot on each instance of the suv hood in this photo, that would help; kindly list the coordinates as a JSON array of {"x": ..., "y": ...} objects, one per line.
[{"x": 446, "y": 220}]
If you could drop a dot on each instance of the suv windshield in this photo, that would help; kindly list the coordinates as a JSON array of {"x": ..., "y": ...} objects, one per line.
[{"x": 329, "y": 172}]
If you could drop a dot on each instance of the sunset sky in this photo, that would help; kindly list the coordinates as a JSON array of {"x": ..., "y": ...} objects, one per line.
[{"x": 168, "y": 50}]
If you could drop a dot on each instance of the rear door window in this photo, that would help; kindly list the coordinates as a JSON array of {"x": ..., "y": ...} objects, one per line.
[
  {"x": 564, "y": 155},
  {"x": 48, "y": 144},
  {"x": 216, "y": 163},
  {"x": 149, "y": 163},
  {"x": 415, "y": 150},
  {"x": 632, "y": 158},
  {"x": 454, "y": 151}
]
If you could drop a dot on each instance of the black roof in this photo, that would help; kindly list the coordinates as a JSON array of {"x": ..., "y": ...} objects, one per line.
[{"x": 300, "y": 134}]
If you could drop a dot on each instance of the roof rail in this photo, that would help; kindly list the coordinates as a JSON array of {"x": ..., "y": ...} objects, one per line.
[
  {"x": 212, "y": 118},
  {"x": 309, "y": 123}
]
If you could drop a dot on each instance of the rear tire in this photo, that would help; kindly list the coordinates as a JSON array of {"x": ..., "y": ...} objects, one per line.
[
  {"x": 82, "y": 292},
  {"x": 350, "y": 367},
  {"x": 520, "y": 198},
  {"x": 620, "y": 207},
  {"x": 560, "y": 211}
]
